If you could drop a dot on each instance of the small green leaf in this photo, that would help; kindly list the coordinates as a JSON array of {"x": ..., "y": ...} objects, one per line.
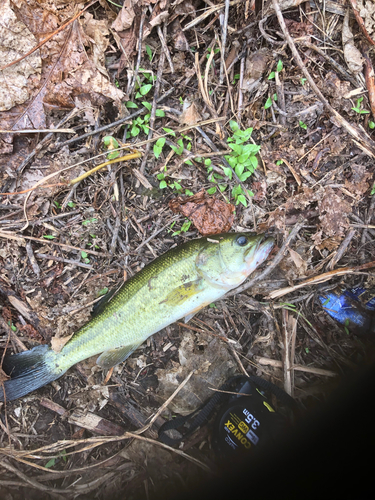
[
  {"x": 131, "y": 105},
  {"x": 186, "y": 226},
  {"x": 147, "y": 105},
  {"x": 134, "y": 131},
  {"x": 145, "y": 89},
  {"x": 302, "y": 125},
  {"x": 160, "y": 142},
  {"x": 371, "y": 124},
  {"x": 162, "y": 185},
  {"x": 228, "y": 172},
  {"x": 222, "y": 187},
  {"x": 268, "y": 103},
  {"x": 212, "y": 190},
  {"x": 279, "y": 66},
  {"x": 50, "y": 463},
  {"x": 271, "y": 76},
  {"x": 160, "y": 113},
  {"x": 241, "y": 199},
  {"x": 169, "y": 131},
  {"x": 188, "y": 162},
  {"x": 303, "y": 81},
  {"x": 373, "y": 190},
  {"x": 71, "y": 204},
  {"x": 188, "y": 192},
  {"x": 207, "y": 162},
  {"x": 113, "y": 155},
  {"x": 83, "y": 254},
  {"x": 49, "y": 236},
  {"x": 110, "y": 142},
  {"x": 149, "y": 52},
  {"x": 234, "y": 125}
]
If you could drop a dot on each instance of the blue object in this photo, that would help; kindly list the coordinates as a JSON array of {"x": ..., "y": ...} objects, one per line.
[{"x": 352, "y": 308}]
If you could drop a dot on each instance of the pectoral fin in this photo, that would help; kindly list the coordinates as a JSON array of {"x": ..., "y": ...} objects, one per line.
[
  {"x": 115, "y": 356},
  {"x": 180, "y": 294}
]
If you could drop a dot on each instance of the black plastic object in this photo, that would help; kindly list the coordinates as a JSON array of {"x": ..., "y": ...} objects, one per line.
[
  {"x": 246, "y": 421},
  {"x": 259, "y": 423}
]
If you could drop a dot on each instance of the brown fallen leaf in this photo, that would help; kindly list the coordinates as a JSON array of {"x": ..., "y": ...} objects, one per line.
[
  {"x": 208, "y": 214},
  {"x": 57, "y": 343},
  {"x": 17, "y": 81}
]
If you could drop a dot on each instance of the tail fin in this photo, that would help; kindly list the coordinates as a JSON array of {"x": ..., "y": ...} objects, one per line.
[{"x": 29, "y": 370}]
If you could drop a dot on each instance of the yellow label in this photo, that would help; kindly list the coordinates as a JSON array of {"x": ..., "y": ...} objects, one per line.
[{"x": 243, "y": 427}]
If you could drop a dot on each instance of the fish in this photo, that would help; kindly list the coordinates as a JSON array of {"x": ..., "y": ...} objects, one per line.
[{"x": 175, "y": 285}]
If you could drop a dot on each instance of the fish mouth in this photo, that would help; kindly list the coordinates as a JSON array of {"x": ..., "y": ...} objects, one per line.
[{"x": 258, "y": 253}]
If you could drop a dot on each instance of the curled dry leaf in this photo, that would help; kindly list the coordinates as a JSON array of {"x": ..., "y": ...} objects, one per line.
[
  {"x": 208, "y": 214},
  {"x": 352, "y": 55},
  {"x": 16, "y": 81},
  {"x": 190, "y": 114},
  {"x": 256, "y": 65},
  {"x": 57, "y": 343}
]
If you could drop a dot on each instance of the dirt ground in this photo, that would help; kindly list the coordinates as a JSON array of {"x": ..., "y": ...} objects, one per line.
[{"x": 235, "y": 116}]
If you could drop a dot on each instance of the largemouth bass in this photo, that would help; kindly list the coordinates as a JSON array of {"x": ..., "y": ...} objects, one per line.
[{"x": 175, "y": 285}]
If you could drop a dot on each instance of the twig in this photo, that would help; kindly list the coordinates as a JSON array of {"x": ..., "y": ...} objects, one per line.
[
  {"x": 224, "y": 30},
  {"x": 39, "y": 131},
  {"x": 60, "y": 259},
  {"x": 165, "y": 51},
  {"x": 330, "y": 60},
  {"x": 361, "y": 138},
  {"x": 321, "y": 278},
  {"x": 15, "y": 237},
  {"x": 342, "y": 249},
  {"x": 33, "y": 262}
]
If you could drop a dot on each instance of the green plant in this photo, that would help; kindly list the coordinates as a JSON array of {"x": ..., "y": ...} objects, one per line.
[
  {"x": 14, "y": 328},
  {"x": 242, "y": 160},
  {"x": 52, "y": 461},
  {"x": 89, "y": 221},
  {"x": 357, "y": 107},
  {"x": 373, "y": 189},
  {"x": 49, "y": 236},
  {"x": 269, "y": 101},
  {"x": 57, "y": 204},
  {"x": 85, "y": 258},
  {"x": 371, "y": 124},
  {"x": 111, "y": 143},
  {"x": 235, "y": 78},
  {"x": 302, "y": 125},
  {"x": 71, "y": 204},
  {"x": 149, "y": 52},
  {"x": 184, "y": 228},
  {"x": 303, "y": 81},
  {"x": 279, "y": 68}
]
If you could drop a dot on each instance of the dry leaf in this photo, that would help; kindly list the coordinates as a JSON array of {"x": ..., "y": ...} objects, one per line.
[
  {"x": 256, "y": 65},
  {"x": 125, "y": 17},
  {"x": 178, "y": 36},
  {"x": 208, "y": 214},
  {"x": 333, "y": 213},
  {"x": 57, "y": 343},
  {"x": 190, "y": 114},
  {"x": 352, "y": 55},
  {"x": 16, "y": 81}
]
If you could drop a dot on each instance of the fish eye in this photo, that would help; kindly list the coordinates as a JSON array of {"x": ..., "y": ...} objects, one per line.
[{"x": 242, "y": 241}]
